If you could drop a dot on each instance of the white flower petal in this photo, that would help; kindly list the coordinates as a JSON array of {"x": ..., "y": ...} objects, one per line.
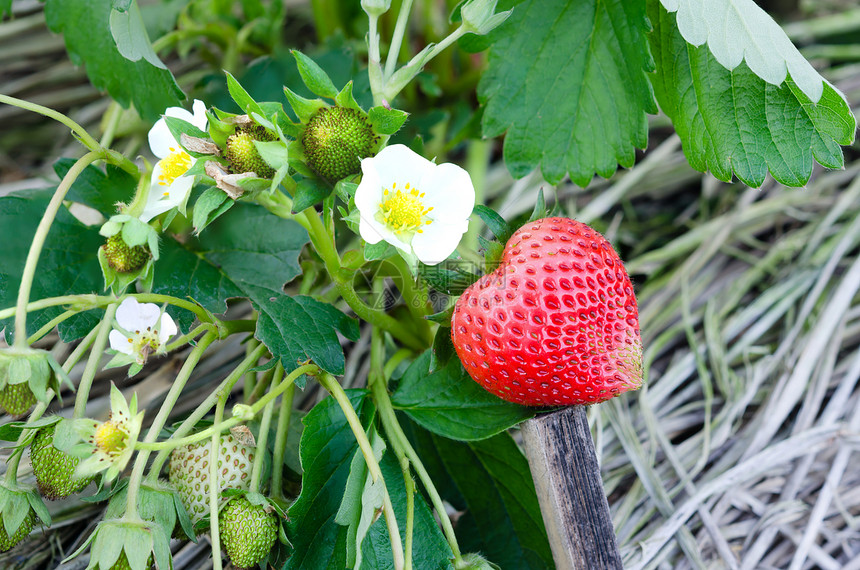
[
  {"x": 133, "y": 316},
  {"x": 398, "y": 163},
  {"x": 437, "y": 243},
  {"x": 449, "y": 191},
  {"x": 166, "y": 328},
  {"x": 162, "y": 199},
  {"x": 368, "y": 195},
  {"x": 161, "y": 140},
  {"x": 119, "y": 342}
]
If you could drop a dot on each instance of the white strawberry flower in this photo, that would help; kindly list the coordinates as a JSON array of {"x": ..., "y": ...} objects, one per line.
[
  {"x": 141, "y": 329},
  {"x": 170, "y": 186},
  {"x": 109, "y": 445},
  {"x": 419, "y": 207}
]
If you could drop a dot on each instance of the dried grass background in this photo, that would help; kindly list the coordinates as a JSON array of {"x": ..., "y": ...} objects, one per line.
[{"x": 743, "y": 449}]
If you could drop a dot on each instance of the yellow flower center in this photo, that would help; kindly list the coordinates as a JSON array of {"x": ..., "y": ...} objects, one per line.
[
  {"x": 110, "y": 438},
  {"x": 173, "y": 166},
  {"x": 403, "y": 211},
  {"x": 144, "y": 343}
]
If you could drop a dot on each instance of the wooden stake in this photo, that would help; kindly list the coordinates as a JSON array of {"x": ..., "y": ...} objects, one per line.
[{"x": 567, "y": 478}]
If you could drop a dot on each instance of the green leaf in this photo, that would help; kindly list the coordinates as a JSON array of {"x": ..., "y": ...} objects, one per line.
[
  {"x": 5, "y": 8},
  {"x": 443, "y": 347},
  {"x": 308, "y": 192},
  {"x": 314, "y": 77},
  {"x": 738, "y": 30},
  {"x": 241, "y": 97},
  {"x": 211, "y": 204},
  {"x": 490, "y": 482},
  {"x": 448, "y": 402},
  {"x": 362, "y": 500},
  {"x": 430, "y": 550},
  {"x": 68, "y": 264},
  {"x": 86, "y": 30},
  {"x": 98, "y": 189},
  {"x": 297, "y": 329},
  {"x": 386, "y": 121},
  {"x": 129, "y": 33},
  {"x": 579, "y": 105},
  {"x": 254, "y": 247},
  {"x": 497, "y": 224},
  {"x": 327, "y": 449},
  {"x": 735, "y": 122}
]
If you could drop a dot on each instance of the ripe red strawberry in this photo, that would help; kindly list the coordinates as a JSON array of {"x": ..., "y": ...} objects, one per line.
[{"x": 556, "y": 323}]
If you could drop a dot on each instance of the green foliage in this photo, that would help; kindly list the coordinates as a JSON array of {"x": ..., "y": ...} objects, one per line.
[
  {"x": 98, "y": 189},
  {"x": 87, "y": 32},
  {"x": 448, "y": 402},
  {"x": 490, "y": 482},
  {"x": 327, "y": 449},
  {"x": 735, "y": 122},
  {"x": 67, "y": 266},
  {"x": 579, "y": 105}
]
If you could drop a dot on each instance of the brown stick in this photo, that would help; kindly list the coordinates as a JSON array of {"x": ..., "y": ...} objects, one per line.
[{"x": 575, "y": 511}]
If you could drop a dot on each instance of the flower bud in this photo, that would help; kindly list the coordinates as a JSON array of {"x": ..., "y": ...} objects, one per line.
[
  {"x": 479, "y": 16},
  {"x": 375, "y": 7}
]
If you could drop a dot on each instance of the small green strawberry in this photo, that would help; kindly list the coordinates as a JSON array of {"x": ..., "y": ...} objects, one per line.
[
  {"x": 19, "y": 510},
  {"x": 6, "y": 541},
  {"x": 189, "y": 472},
  {"x": 25, "y": 376},
  {"x": 335, "y": 141},
  {"x": 54, "y": 469},
  {"x": 248, "y": 531},
  {"x": 17, "y": 399},
  {"x": 243, "y": 156},
  {"x": 123, "y": 258}
]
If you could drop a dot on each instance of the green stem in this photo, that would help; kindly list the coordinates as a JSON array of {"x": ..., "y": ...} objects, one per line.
[
  {"x": 262, "y": 440},
  {"x": 214, "y": 491},
  {"x": 374, "y": 62},
  {"x": 324, "y": 244},
  {"x": 250, "y": 377},
  {"x": 88, "y": 141},
  {"x": 39, "y": 241},
  {"x": 160, "y": 420},
  {"x": 114, "y": 114},
  {"x": 79, "y": 302},
  {"x": 392, "y": 89},
  {"x": 376, "y": 376},
  {"x": 201, "y": 410},
  {"x": 81, "y": 132},
  {"x": 281, "y": 435},
  {"x": 92, "y": 367},
  {"x": 328, "y": 382},
  {"x": 49, "y": 326},
  {"x": 398, "y": 440},
  {"x": 477, "y": 161},
  {"x": 201, "y": 313},
  {"x": 415, "y": 296},
  {"x": 218, "y": 428},
  {"x": 397, "y": 39}
]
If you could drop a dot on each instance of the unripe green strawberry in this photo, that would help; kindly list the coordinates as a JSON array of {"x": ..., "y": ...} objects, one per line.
[
  {"x": 54, "y": 469},
  {"x": 243, "y": 155},
  {"x": 335, "y": 141},
  {"x": 6, "y": 541},
  {"x": 17, "y": 399},
  {"x": 123, "y": 258},
  {"x": 248, "y": 532},
  {"x": 189, "y": 472},
  {"x": 556, "y": 323}
]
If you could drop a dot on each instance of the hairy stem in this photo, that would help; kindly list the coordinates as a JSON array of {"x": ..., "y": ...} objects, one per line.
[
  {"x": 39, "y": 241},
  {"x": 281, "y": 435},
  {"x": 214, "y": 492},
  {"x": 226, "y": 386},
  {"x": 331, "y": 385},
  {"x": 160, "y": 420},
  {"x": 263, "y": 438},
  {"x": 397, "y": 39},
  {"x": 92, "y": 367}
]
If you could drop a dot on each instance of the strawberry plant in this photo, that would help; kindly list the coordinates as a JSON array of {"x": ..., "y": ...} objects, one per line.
[{"x": 317, "y": 222}]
